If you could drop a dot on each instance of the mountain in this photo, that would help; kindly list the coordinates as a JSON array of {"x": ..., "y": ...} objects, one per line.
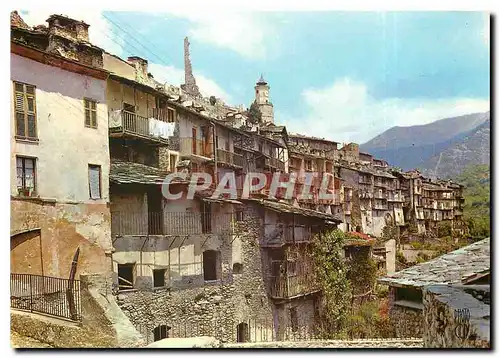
[
  {"x": 421, "y": 146},
  {"x": 472, "y": 149}
]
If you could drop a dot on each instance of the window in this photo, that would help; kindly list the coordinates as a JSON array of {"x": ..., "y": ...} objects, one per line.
[
  {"x": 25, "y": 108},
  {"x": 210, "y": 263},
  {"x": 159, "y": 278},
  {"x": 170, "y": 115},
  {"x": 237, "y": 268},
  {"x": 239, "y": 215},
  {"x": 90, "y": 113},
  {"x": 95, "y": 181},
  {"x": 128, "y": 107},
  {"x": 173, "y": 163},
  {"x": 194, "y": 135},
  {"x": 161, "y": 332},
  {"x": 408, "y": 297},
  {"x": 293, "y": 319},
  {"x": 25, "y": 175},
  {"x": 206, "y": 218},
  {"x": 125, "y": 276}
]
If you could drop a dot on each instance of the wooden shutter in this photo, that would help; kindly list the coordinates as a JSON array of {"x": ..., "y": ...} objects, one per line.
[{"x": 25, "y": 108}]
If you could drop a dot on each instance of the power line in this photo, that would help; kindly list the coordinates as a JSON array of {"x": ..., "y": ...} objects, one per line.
[
  {"x": 129, "y": 34},
  {"x": 138, "y": 33}
]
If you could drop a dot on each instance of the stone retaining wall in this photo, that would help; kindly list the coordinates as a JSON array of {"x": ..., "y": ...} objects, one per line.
[
  {"x": 407, "y": 321},
  {"x": 454, "y": 318}
]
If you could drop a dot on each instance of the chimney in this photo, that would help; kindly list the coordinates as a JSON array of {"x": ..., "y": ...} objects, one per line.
[
  {"x": 141, "y": 66},
  {"x": 77, "y": 31}
]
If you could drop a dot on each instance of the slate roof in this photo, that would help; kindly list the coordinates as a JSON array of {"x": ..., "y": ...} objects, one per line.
[
  {"x": 286, "y": 208},
  {"x": 452, "y": 267},
  {"x": 135, "y": 173},
  {"x": 298, "y": 135}
]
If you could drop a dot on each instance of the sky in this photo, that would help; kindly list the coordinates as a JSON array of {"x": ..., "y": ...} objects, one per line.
[{"x": 344, "y": 76}]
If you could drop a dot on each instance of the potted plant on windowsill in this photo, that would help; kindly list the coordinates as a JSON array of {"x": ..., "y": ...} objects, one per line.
[{"x": 24, "y": 191}]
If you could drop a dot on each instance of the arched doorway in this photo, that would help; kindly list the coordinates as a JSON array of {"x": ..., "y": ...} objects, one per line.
[
  {"x": 161, "y": 332},
  {"x": 242, "y": 332},
  {"x": 26, "y": 252}
]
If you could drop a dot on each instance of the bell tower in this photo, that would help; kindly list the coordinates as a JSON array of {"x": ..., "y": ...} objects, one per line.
[{"x": 262, "y": 100}]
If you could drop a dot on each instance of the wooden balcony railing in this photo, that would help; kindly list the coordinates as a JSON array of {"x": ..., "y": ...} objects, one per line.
[
  {"x": 275, "y": 163},
  {"x": 132, "y": 124},
  {"x": 365, "y": 182},
  {"x": 171, "y": 223},
  {"x": 228, "y": 157},
  {"x": 135, "y": 123},
  {"x": 290, "y": 286}
]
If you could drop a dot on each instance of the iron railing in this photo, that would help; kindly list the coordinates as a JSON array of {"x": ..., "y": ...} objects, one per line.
[
  {"x": 54, "y": 296},
  {"x": 171, "y": 223},
  {"x": 248, "y": 330}
]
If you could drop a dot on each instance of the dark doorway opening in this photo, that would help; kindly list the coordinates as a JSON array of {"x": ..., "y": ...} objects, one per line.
[
  {"x": 210, "y": 259},
  {"x": 155, "y": 212},
  {"x": 242, "y": 333},
  {"x": 161, "y": 332}
]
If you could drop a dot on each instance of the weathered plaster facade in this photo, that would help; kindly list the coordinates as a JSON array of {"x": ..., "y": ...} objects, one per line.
[{"x": 64, "y": 148}]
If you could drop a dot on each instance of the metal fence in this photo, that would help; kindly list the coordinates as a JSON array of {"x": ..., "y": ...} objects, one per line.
[
  {"x": 257, "y": 330},
  {"x": 44, "y": 294},
  {"x": 250, "y": 330}
]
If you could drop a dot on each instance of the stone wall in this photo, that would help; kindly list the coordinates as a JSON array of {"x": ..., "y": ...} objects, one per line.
[
  {"x": 210, "y": 308},
  {"x": 407, "y": 321},
  {"x": 456, "y": 317}
]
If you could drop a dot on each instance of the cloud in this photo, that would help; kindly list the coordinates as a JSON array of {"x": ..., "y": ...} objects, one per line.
[
  {"x": 175, "y": 76},
  {"x": 100, "y": 30},
  {"x": 242, "y": 32},
  {"x": 345, "y": 112}
]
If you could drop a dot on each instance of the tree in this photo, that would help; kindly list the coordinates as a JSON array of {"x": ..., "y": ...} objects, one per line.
[
  {"x": 331, "y": 274},
  {"x": 254, "y": 113}
]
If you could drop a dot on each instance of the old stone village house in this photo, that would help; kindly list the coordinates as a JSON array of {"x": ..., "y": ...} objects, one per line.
[{"x": 232, "y": 268}]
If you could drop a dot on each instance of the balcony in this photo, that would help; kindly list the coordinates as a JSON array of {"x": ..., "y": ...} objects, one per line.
[
  {"x": 128, "y": 124},
  {"x": 274, "y": 163},
  {"x": 291, "y": 286},
  {"x": 396, "y": 198},
  {"x": 287, "y": 234},
  {"x": 230, "y": 158},
  {"x": 170, "y": 223},
  {"x": 198, "y": 147},
  {"x": 366, "y": 181}
]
